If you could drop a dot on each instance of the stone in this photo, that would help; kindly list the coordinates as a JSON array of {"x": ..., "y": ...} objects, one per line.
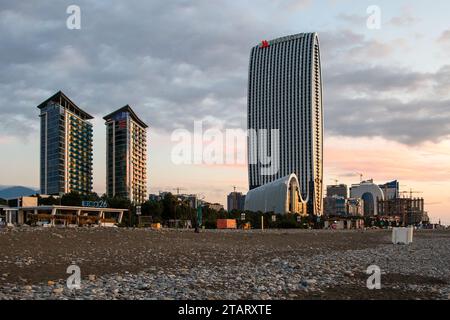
[
  {"x": 265, "y": 296},
  {"x": 311, "y": 282},
  {"x": 91, "y": 277},
  {"x": 51, "y": 283},
  {"x": 58, "y": 290}
]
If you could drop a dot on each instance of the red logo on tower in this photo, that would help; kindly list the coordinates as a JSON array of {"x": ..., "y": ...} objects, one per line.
[{"x": 265, "y": 44}]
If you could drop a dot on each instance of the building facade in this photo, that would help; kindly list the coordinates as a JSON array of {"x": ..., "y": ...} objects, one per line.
[
  {"x": 370, "y": 193},
  {"x": 236, "y": 201},
  {"x": 285, "y": 95},
  {"x": 214, "y": 206},
  {"x": 126, "y": 155},
  {"x": 335, "y": 206},
  {"x": 66, "y": 147},
  {"x": 391, "y": 190},
  {"x": 355, "y": 207},
  {"x": 339, "y": 190},
  {"x": 410, "y": 211}
]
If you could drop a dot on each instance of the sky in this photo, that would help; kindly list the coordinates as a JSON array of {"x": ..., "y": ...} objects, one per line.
[{"x": 386, "y": 90}]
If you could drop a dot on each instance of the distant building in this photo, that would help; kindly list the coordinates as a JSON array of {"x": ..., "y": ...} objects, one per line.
[
  {"x": 126, "y": 155},
  {"x": 355, "y": 207},
  {"x": 236, "y": 201},
  {"x": 191, "y": 199},
  {"x": 155, "y": 197},
  {"x": 339, "y": 190},
  {"x": 370, "y": 193},
  {"x": 335, "y": 206},
  {"x": 411, "y": 211},
  {"x": 214, "y": 206},
  {"x": 281, "y": 196},
  {"x": 23, "y": 202},
  {"x": 66, "y": 147},
  {"x": 391, "y": 190}
]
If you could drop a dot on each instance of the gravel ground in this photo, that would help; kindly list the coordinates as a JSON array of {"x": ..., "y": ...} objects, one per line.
[{"x": 171, "y": 264}]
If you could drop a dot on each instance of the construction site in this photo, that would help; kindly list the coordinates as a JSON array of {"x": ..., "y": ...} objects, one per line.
[{"x": 374, "y": 203}]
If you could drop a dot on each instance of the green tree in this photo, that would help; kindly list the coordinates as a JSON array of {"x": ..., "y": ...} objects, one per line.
[
  {"x": 153, "y": 209},
  {"x": 71, "y": 199},
  {"x": 50, "y": 201},
  {"x": 169, "y": 203}
]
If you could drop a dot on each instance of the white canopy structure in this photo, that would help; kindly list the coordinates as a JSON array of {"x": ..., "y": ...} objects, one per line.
[
  {"x": 370, "y": 193},
  {"x": 280, "y": 196}
]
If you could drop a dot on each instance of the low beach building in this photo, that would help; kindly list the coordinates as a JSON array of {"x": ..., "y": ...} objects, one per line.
[{"x": 56, "y": 215}]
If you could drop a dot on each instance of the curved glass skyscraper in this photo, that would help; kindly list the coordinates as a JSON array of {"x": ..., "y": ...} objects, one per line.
[{"x": 285, "y": 95}]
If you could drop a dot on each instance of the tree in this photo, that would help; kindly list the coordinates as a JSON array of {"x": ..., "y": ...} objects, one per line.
[
  {"x": 50, "y": 201},
  {"x": 71, "y": 199},
  {"x": 169, "y": 206},
  {"x": 91, "y": 197},
  {"x": 154, "y": 209}
]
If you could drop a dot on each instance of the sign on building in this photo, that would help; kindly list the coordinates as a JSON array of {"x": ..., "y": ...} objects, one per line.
[{"x": 94, "y": 204}]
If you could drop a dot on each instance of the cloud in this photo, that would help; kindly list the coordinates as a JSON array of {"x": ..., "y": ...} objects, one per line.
[
  {"x": 165, "y": 59},
  {"x": 445, "y": 37},
  {"x": 409, "y": 123},
  {"x": 180, "y": 61},
  {"x": 353, "y": 19},
  {"x": 370, "y": 98},
  {"x": 405, "y": 19}
]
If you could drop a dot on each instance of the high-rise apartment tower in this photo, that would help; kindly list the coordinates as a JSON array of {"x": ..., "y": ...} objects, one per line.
[
  {"x": 126, "y": 155},
  {"x": 66, "y": 147}
]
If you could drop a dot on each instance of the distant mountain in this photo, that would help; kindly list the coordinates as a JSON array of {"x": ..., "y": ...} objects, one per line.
[{"x": 8, "y": 192}]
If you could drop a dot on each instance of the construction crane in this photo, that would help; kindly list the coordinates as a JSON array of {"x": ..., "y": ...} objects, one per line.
[
  {"x": 360, "y": 176},
  {"x": 336, "y": 181},
  {"x": 177, "y": 189},
  {"x": 236, "y": 188},
  {"x": 410, "y": 192}
]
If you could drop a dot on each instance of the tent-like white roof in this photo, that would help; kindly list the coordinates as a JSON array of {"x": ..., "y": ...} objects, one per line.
[{"x": 271, "y": 197}]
